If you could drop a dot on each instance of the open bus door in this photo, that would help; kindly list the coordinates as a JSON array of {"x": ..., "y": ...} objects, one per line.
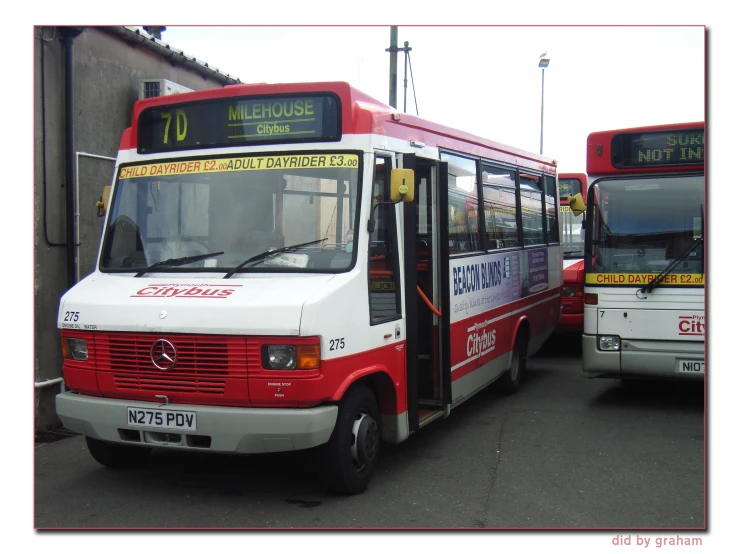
[{"x": 427, "y": 293}]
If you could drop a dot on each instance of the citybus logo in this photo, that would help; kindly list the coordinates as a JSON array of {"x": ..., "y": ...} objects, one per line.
[
  {"x": 185, "y": 291},
  {"x": 691, "y": 325},
  {"x": 479, "y": 340}
]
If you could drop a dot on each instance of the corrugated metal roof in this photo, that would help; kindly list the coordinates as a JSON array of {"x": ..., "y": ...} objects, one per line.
[{"x": 139, "y": 36}]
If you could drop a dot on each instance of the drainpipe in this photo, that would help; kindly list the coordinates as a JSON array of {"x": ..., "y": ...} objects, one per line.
[{"x": 68, "y": 35}]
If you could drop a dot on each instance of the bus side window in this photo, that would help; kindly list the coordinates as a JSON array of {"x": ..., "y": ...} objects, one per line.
[
  {"x": 384, "y": 289},
  {"x": 464, "y": 220},
  {"x": 532, "y": 211},
  {"x": 499, "y": 201}
]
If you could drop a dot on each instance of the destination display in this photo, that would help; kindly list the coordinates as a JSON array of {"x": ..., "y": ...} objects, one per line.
[
  {"x": 239, "y": 121},
  {"x": 658, "y": 149}
]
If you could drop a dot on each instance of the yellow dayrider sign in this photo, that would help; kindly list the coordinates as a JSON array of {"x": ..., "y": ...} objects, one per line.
[
  {"x": 642, "y": 278},
  {"x": 251, "y": 163}
]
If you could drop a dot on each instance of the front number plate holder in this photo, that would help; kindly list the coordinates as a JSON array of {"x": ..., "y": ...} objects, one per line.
[{"x": 161, "y": 419}]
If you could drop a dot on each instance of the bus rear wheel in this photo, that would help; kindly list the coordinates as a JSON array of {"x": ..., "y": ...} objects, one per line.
[
  {"x": 117, "y": 456},
  {"x": 511, "y": 379},
  {"x": 350, "y": 456}
]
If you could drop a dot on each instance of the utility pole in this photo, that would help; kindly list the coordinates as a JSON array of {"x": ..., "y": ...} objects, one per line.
[
  {"x": 543, "y": 63},
  {"x": 393, "y": 66},
  {"x": 405, "y": 49}
]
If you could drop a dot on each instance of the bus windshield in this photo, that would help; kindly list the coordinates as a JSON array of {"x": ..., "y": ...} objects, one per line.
[
  {"x": 642, "y": 225},
  {"x": 571, "y": 230},
  {"x": 235, "y": 208},
  {"x": 572, "y": 234}
]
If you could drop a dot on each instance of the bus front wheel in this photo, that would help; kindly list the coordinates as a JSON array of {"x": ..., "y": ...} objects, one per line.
[{"x": 350, "y": 455}]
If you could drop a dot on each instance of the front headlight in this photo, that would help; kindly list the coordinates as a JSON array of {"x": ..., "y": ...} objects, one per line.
[
  {"x": 572, "y": 292},
  {"x": 609, "y": 343},
  {"x": 288, "y": 356},
  {"x": 278, "y": 356},
  {"x": 76, "y": 349}
]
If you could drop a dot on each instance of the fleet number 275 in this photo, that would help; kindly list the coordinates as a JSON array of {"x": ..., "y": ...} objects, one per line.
[
  {"x": 336, "y": 344},
  {"x": 71, "y": 316}
]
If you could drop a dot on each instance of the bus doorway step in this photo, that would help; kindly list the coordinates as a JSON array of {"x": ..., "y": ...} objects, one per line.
[{"x": 426, "y": 416}]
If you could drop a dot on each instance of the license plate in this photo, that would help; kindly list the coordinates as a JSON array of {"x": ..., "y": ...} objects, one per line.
[
  {"x": 691, "y": 366},
  {"x": 166, "y": 419}
]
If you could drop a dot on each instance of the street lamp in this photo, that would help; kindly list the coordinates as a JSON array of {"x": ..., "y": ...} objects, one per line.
[{"x": 543, "y": 63}]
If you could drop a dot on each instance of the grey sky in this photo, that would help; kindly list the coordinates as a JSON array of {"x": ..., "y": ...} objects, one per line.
[{"x": 486, "y": 79}]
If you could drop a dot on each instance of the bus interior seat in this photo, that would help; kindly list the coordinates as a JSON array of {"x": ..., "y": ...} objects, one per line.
[{"x": 125, "y": 242}]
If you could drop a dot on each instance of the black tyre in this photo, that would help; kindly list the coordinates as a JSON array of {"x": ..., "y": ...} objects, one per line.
[
  {"x": 117, "y": 456},
  {"x": 511, "y": 379},
  {"x": 350, "y": 456}
]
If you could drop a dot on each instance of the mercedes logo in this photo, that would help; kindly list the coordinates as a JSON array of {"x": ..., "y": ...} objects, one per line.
[{"x": 163, "y": 354}]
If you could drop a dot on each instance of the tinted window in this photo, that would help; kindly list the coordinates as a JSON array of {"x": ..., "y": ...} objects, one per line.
[
  {"x": 464, "y": 226},
  {"x": 499, "y": 201},
  {"x": 531, "y": 209}
]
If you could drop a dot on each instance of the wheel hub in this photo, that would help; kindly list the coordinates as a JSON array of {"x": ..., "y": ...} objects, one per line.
[{"x": 366, "y": 440}]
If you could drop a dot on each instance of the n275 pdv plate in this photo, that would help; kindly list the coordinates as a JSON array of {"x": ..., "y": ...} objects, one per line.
[
  {"x": 167, "y": 419},
  {"x": 691, "y": 366}
]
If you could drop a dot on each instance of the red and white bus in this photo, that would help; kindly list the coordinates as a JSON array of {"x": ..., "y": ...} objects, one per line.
[
  {"x": 290, "y": 266},
  {"x": 572, "y": 235},
  {"x": 644, "y": 265}
]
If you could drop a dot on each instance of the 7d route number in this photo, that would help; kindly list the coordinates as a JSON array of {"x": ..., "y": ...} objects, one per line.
[{"x": 180, "y": 125}]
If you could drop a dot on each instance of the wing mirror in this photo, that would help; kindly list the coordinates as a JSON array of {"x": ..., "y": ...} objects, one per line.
[
  {"x": 402, "y": 185},
  {"x": 402, "y": 189},
  {"x": 577, "y": 204}
]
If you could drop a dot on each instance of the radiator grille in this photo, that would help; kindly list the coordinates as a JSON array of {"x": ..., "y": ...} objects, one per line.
[
  {"x": 169, "y": 384},
  {"x": 203, "y": 364}
]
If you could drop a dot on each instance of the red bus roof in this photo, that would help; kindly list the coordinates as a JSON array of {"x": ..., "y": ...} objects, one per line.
[
  {"x": 360, "y": 114},
  {"x": 599, "y": 150}
]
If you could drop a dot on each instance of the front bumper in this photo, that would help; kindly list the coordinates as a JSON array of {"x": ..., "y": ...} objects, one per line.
[
  {"x": 219, "y": 429},
  {"x": 640, "y": 358}
]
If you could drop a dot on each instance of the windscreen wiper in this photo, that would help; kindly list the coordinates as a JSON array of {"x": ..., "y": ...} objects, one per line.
[
  {"x": 270, "y": 253},
  {"x": 178, "y": 261},
  {"x": 659, "y": 278}
]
